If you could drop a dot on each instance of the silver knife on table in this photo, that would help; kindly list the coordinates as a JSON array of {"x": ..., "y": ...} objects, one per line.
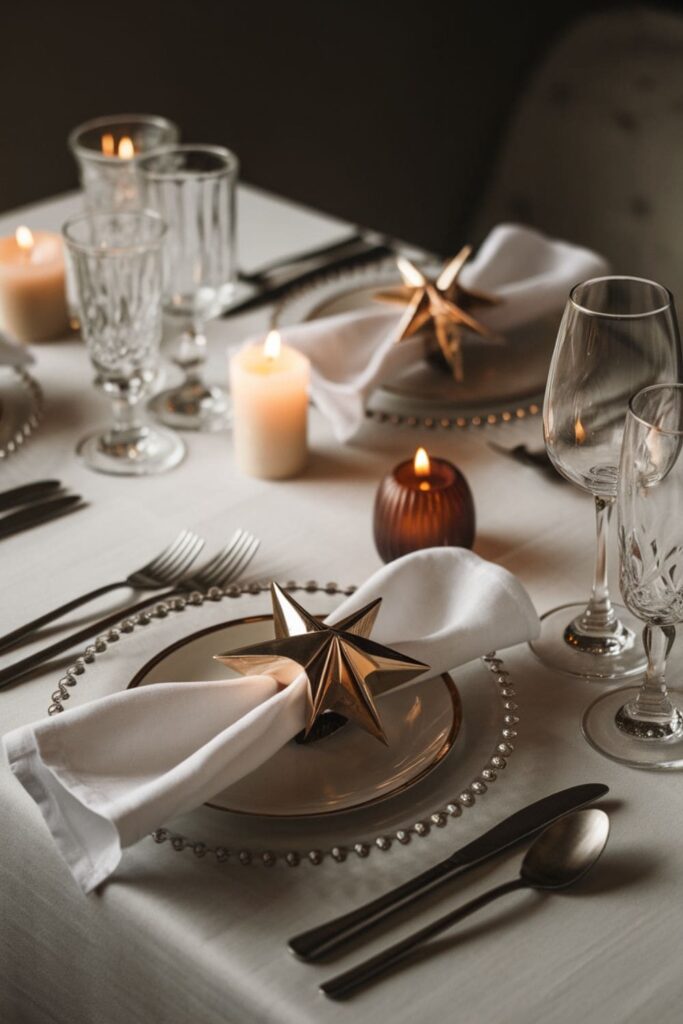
[{"x": 318, "y": 942}]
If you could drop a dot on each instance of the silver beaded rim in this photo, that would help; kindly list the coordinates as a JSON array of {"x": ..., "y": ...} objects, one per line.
[
  {"x": 31, "y": 423},
  {"x": 439, "y": 818},
  {"x": 516, "y": 412}
]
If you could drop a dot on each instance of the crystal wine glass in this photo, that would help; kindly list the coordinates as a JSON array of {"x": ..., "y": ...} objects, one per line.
[
  {"x": 643, "y": 726},
  {"x": 617, "y": 335},
  {"x": 193, "y": 188},
  {"x": 116, "y": 266}
]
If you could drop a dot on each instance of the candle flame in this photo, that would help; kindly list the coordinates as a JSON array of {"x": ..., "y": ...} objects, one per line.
[
  {"x": 126, "y": 148},
  {"x": 24, "y": 238},
  {"x": 421, "y": 463},
  {"x": 272, "y": 344},
  {"x": 579, "y": 431},
  {"x": 107, "y": 142}
]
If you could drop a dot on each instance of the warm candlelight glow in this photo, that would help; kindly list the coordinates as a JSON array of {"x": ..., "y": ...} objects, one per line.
[
  {"x": 24, "y": 237},
  {"x": 126, "y": 148},
  {"x": 108, "y": 144},
  {"x": 271, "y": 346},
  {"x": 579, "y": 431}
]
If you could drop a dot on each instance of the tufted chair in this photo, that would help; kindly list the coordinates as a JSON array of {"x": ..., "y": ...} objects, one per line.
[{"x": 594, "y": 151}]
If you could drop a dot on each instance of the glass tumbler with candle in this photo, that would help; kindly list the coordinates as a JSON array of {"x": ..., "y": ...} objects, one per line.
[
  {"x": 193, "y": 189},
  {"x": 32, "y": 287},
  {"x": 423, "y": 503},
  {"x": 107, "y": 150},
  {"x": 116, "y": 265},
  {"x": 617, "y": 335}
]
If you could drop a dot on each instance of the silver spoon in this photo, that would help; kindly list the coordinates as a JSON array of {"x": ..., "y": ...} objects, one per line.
[{"x": 561, "y": 855}]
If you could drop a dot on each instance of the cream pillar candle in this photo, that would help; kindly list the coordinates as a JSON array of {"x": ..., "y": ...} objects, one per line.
[
  {"x": 32, "y": 289},
  {"x": 269, "y": 385}
]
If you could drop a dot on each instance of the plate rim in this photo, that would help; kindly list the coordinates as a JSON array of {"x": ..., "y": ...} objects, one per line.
[
  {"x": 25, "y": 428},
  {"x": 442, "y": 752}
]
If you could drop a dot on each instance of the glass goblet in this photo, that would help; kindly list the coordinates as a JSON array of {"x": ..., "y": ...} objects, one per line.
[
  {"x": 643, "y": 726},
  {"x": 617, "y": 335},
  {"x": 193, "y": 188},
  {"x": 116, "y": 267}
]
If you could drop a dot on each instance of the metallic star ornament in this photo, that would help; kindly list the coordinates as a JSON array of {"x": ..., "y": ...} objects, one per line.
[
  {"x": 339, "y": 660},
  {"x": 443, "y": 302}
]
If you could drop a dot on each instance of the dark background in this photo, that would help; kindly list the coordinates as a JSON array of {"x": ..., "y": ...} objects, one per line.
[{"x": 385, "y": 114}]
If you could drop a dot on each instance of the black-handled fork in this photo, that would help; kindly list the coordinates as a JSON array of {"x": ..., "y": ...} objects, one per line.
[
  {"x": 163, "y": 571},
  {"x": 224, "y": 568}
]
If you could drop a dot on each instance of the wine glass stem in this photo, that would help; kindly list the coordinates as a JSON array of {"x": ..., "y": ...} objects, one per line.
[
  {"x": 192, "y": 353},
  {"x": 652, "y": 702},
  {"x": 599, "y": 615}
]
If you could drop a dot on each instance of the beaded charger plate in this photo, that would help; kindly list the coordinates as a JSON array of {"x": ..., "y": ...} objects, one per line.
[
  {"x": 21, "y": 408},
  {"x": 502, "y": 382},
  {"x": 343, "y": 794}
]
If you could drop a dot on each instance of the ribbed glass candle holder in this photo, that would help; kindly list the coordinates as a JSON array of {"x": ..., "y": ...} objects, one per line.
[{"x": 414, "y": 511}]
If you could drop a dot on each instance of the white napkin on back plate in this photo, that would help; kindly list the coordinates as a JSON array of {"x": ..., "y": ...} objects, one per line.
[
  {"x": 104, "y": 775},
  {"x": 353, "y": 353},
  {"x": 14, "y": 354}
]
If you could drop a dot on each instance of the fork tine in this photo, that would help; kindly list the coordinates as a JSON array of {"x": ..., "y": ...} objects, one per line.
[
  {"x": 182, "y": 564},
  {"x": 167, "y": 567},
  {"x": 233, "y": 558},
  {"x": 156, "y": 571},
  {"x": 243, "y": 560},
  {"x": 211, "y": 571},
  {"x": 158, "y": 561}
]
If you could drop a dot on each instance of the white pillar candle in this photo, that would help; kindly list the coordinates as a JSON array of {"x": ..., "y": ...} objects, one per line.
[
  {"x": 32, "y": 289},
  {"x": 269, "y": 385}
]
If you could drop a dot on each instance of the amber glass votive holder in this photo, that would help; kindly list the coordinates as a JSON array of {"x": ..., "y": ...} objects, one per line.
[{"x": 416, "y": 510}]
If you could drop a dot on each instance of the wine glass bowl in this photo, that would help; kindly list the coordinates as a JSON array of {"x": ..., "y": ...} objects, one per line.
[
  {"x": 644, "y": 726},
  {"x": 617, "y": 335}
]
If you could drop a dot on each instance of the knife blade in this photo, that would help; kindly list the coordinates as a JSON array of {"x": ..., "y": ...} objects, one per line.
[
  {"x": 34, "y": 515},
  {"x": 264, "y": 296},
  {"x": 270, "y": 272},
  {"x": 27, "y": 493},
  {"x": 317, "y": 942}
]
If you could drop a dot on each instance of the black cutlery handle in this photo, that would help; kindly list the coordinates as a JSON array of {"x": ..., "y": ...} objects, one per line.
[
  {"x": 318, "y": 942},
  {"x": 36, "y": 515},
  {"x": 345, "y": 984},
  {"x": 10, "y": 639},
  {"x": 27, "y": 493},
  {"x": 258, "y": 275},
  {"x": 13, "y": 673}
]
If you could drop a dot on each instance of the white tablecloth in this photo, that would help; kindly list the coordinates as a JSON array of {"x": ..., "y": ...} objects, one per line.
[{"x": 175, "y": 939}]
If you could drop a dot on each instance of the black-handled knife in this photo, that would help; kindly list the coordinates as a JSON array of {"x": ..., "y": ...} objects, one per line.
[
  {"x": 319, "y": 942},
  {"x": 27, "y": 493},
  {"x": 267, "y": 295},
  {"x": 34, "y": 515}
]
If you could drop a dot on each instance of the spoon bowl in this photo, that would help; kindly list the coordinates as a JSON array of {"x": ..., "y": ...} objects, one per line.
[{"x": 566, "y": 850}]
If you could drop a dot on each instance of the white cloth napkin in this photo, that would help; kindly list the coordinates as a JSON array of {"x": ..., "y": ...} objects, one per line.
[
  {"x": 353, "y": 353},
  {"x": 105, "y": 775},
  {"x": 14, "y": 355}
]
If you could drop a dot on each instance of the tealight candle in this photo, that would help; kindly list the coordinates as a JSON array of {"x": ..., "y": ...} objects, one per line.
[
  {"x": 32, "y": 289},
  {"x": 269, "y": 385},
  {"x": 422, "y": 503}
]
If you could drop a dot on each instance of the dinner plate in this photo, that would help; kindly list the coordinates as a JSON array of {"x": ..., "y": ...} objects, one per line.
[
  {"x": 501, "y": 381},
  {"x": 21, "y": 406},
  {"x": 344, "y": 771},
  {"x": 452, "y": 785}
]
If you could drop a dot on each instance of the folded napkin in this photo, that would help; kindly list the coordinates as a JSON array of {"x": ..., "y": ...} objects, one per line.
[
  {"x": 106, "y": 774},
  {"x": 353, "y": 353},
  {"x": 12, "y": 354}
]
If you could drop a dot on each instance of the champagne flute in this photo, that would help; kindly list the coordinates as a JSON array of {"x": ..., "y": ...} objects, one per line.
[
  {"x": 643, "y": 726},
  {"x": 617, "y": 335}
]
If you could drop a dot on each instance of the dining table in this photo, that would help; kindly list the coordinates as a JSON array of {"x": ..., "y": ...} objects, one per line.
[{"x": 173, "y": 937}]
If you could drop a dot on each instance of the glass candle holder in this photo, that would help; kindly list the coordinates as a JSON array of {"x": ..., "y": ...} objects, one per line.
[
  {"x": 117, "y": 270},
  {"x": 107, "y": 150},
  {"x": 423, "y": 503}
]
